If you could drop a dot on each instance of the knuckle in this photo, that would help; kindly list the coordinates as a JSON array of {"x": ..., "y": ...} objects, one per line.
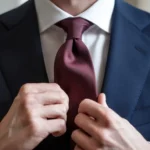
[
  {"x": 101, "y": 134},
  {"x": 108, "y": 117},
  {"x": 17, "y": 98},
  {"x": 25, "y": 88},
  {"x": 32, "y": 112},
  {"x": 29, "y": 115},
  {"x": 62, "y": 126},
  {"x": 78, "y": 119},
  {"x": 62, "y": 113},
  {"x": 112, "y": 120},
  {"x": 104, "y": 137},
  {"x": 63, "y": 96},
  {"x": 64, "y": 99},
  {"x": 67, "y": 107},
  {"x": 34, "y": 128},
  {"x": 74, "y": 134},
  {"x": 117, "y": 124},
  {"x": 55, "y": 86},
  {"x": 63, "y": 110},
  {"x": 83, "y": 102},
  {"x": 27, "y": 99}
]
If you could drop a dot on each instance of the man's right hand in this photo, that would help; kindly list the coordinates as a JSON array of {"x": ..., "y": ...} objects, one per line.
[{"x": 37, "y": 111}]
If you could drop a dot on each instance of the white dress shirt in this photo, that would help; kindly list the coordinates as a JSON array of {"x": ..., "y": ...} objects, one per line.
[{"x": 96, "y": 38}]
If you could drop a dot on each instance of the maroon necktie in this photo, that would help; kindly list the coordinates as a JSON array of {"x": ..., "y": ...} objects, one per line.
[{"x": 73, "y": 69}]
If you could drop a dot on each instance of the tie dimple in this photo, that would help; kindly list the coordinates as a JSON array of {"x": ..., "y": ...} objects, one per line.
[{"x": 74, "y": 27}]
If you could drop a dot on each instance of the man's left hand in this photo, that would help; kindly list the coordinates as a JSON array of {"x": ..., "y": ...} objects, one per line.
[{"x": 100, "y": 128}]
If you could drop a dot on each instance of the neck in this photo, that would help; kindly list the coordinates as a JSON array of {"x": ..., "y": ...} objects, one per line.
[{"x": 74, "y": 7}]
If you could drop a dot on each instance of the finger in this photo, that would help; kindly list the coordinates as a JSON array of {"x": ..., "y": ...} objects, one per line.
[
  {"x": 53, "y": 97},
  {"x": 54, "y": 111},
  {"x": 39, "y": 87},
  {"x": 48, "y": 98},
  {"x": 93, "y": 109},
  {"x": 56, "y": 126},
  {"x": 102, "y": 100},
  {"x": 84, "y": 141},
  {"x": 77, "y": 148},
  {"x": 89, "y": 126}
]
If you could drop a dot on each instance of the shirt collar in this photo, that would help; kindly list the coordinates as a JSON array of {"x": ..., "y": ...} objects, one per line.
[{"x": 100, "y": 14}]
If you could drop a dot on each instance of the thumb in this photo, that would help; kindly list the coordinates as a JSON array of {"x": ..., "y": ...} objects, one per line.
[{"x": 102, "y": 100}]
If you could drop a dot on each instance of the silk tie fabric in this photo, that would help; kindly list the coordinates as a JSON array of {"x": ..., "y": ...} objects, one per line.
[{"x": 73, "y": 69}]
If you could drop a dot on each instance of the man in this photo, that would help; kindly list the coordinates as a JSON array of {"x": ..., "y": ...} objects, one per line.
[{"x": 53, "y": 69}]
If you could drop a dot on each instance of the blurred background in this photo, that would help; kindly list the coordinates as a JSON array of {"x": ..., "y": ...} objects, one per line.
[{"x": 6, "y": 5}]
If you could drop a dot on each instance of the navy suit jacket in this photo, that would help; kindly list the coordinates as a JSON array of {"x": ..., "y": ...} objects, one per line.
[{"x": 127, "y": 77}]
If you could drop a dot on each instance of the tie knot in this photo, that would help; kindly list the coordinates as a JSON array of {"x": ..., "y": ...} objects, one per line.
[{"x": 74, "y": 27}]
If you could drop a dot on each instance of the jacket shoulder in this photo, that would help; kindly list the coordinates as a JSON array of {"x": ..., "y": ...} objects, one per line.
[{"x": 11, "y": 18}]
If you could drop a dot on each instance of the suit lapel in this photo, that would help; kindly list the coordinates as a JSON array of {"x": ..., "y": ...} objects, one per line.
[
  {"x": 129, "y": 58},
  {"x": 21, "y": 56}
]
